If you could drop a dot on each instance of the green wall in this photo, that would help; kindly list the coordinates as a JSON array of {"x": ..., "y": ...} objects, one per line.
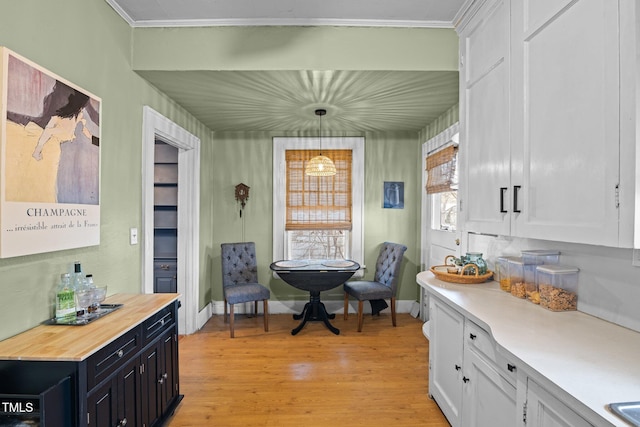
[
  {"x": 87, "y": 43},
  {"x": 247, "y": 158}
]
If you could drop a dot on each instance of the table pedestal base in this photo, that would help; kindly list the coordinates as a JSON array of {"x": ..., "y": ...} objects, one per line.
[{"x": 314, "y": 311}]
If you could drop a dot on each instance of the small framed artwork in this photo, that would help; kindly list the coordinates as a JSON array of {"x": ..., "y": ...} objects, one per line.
[{"x": 393, "y": 195}]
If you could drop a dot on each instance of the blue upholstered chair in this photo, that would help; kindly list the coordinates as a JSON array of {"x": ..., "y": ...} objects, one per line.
[
  {"x": 384, "y": 283},
  {"x": 240, "y": 280}
]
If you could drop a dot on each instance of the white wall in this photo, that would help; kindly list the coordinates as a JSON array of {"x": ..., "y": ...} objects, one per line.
[{"x": 609, "y": 285}]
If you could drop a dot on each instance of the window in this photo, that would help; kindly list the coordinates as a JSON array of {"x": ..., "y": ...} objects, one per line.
[
  {"x": 318, "y": 217},
  {"x": 318, "y": 209},
  {"x": 442, "y": 186}
]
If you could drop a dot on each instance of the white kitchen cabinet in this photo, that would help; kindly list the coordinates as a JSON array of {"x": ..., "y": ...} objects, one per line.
[
  {"x": 566, "y": 121},
  {"x": 545, "y": 410},
  {"x": 445, "y": 359},
  {"x": 473, "y": 384},
  {"x": 484, "y": 119},
  {"x": 489, "y": 399},
  {"x": 547, "y": 142}
]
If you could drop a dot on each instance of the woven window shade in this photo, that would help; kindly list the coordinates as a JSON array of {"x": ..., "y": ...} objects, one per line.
[
  {"x": 441, "y": 170},
  {"x": 318, "y": 203}
]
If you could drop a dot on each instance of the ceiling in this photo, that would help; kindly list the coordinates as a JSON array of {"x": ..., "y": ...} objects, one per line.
[{"x": 356, "y": 101}]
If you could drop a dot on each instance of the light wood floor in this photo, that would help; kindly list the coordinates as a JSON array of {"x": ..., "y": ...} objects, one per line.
[{"x": 373, "y": 378}]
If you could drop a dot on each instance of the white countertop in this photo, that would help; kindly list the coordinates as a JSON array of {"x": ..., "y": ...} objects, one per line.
[{"x": 595, "y": 361}]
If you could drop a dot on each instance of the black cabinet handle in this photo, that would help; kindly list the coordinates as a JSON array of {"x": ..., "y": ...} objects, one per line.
[
  {"x": 465, "y": 379},
  {"x": 516, "y": 190},
  {"x": 458, "y": 367},
  {"x": 502, "y": 191},
  {"x": 511, "y": 367},
  {"x": 472, "y": 336}
]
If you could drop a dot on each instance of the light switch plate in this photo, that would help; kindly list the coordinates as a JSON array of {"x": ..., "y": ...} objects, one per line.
[{"x": 133, "y": 236}]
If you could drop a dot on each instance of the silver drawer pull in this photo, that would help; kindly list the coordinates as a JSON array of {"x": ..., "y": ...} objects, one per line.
[
  {"x": 120, "y": 353},
  {"x": 164, "y": 266},
  {"x": 162, "y": 321}
]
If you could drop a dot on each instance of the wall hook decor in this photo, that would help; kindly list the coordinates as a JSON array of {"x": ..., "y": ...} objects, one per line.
[{"x": 242, "y": 195}]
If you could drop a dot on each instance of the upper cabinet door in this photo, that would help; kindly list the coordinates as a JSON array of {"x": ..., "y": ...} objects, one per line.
[
  {"x": 484, "y": 115},
  {"x": 565, "y": 86}
]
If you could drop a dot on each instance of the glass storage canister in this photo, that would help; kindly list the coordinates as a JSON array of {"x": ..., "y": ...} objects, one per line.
[
  {"x": 540, "y": 256},
  {"x": 502, "y": 272},
  {"x": 558, "y": 285},
  {"x": 530, "y": 283},
  {"x": 516, "y": 277}
]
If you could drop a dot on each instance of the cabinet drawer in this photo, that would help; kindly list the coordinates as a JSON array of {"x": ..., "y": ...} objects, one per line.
[
  {"x": 165, "y": 266},
  {"x": 111, "y": 357},
  {"x": 158, "y": 323},
  {"x": 479, "y": 340}
]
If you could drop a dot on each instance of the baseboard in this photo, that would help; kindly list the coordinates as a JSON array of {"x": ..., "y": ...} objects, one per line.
[{"x": 291, "y": 307}]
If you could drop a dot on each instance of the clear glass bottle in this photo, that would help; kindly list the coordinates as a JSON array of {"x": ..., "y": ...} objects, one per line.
[
  {"x": 65, "y": 300},
  {"x": 89, "y": 284},
  {"x": 79, "y": 284}
]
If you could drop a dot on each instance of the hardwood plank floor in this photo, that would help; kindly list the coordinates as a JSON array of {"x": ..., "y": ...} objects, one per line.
[{"x": 376, "y": 377}]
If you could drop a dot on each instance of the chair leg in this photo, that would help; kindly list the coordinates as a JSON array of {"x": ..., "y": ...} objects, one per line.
[
  {"x": 255, "y": 308},
  {"x": 266, "y": 315},
  {"x": 225, "y": 311},
  {"x": 360, "y": 316},
  {"x": 393, "y": 311},
  {"x": 231, "y": 316},
  {"x": 346, "y": 306}
]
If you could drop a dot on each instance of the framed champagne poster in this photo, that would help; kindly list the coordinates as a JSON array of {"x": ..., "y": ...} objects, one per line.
[{"x": 49, "y": 161}]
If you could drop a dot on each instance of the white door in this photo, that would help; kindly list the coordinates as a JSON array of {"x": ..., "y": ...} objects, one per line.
[
  {"x": 566, "y": 84},
  {"x": 545, "y": 410},
  {"x": 440, "y": 236},
  {"x": 489, "y": 399},
  {"x": 445, "y": 359},
  {"x": 485, "y": 186}
]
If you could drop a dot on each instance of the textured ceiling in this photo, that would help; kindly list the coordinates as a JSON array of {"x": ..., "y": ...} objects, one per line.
[
  {"x": 284, "y": 101},
  {"x": 360, "y": 101}
]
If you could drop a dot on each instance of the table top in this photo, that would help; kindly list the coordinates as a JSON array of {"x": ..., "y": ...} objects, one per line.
[
  {"x": 315, "y": 265},
  {"x": 76, "y": 343},
  {"x": 315, "y": 275}
]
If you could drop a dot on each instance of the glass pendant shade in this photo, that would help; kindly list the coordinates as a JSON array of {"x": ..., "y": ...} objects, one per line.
[{"x": 320, "y": 165}]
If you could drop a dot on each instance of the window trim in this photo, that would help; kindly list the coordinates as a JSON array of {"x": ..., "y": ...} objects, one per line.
[{"x": 280, "y": 145}]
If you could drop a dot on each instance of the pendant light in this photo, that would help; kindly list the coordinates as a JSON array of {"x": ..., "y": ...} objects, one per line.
[{"x": 320, "y": 165}]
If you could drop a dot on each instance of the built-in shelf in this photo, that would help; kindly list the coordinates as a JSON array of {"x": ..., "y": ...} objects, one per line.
[{"x": 165, "y": 192}]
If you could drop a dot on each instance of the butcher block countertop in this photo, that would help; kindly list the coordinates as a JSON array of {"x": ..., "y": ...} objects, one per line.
[
  {"x": 595, "y": 361},
  {"x": 76, "y": 343}
]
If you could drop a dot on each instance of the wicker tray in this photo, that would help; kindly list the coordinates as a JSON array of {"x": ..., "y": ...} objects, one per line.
[{"x": 440, "y": 271}]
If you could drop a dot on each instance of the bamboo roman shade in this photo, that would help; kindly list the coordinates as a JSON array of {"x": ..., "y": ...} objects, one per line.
[
  {"x": 441, "y": 170},
  {"x": 318, "y": 203}
]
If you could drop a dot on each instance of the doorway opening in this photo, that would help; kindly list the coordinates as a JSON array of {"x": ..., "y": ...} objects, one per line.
[{"x": 158, "y": 128}]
